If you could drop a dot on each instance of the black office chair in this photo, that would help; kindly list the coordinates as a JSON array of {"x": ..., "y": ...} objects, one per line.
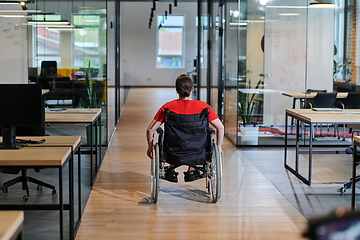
[
  {"x": 48, "y": 69},
  {"x": 310, "y": 101},
  {"x": 349, "y": 150},
  {"x": 352, "y": 101},
  {"x": 314, "y": 90},
  {"x": 24, "y": 178},
  {"x": 324, "y": 100}
]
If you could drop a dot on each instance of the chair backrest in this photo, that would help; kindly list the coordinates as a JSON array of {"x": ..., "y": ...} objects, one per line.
[
  {"x": 314, "y": 90},
  {"x": 325, "y": 100},
  {"x": 186, "y": 138},
  {"x": 352, "y": 100},
  {"x": 48, "y": 69}
]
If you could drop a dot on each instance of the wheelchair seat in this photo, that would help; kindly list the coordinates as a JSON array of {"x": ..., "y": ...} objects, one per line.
[{"x": 186, "y": 140}]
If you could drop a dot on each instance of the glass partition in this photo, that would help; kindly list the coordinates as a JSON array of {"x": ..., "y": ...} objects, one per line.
[
  {"x": 67, "y": 51},
  {"x": 231, "y": 70},
  {"x": 204, "y": 24},
  {"x": 276, "y": 51}
]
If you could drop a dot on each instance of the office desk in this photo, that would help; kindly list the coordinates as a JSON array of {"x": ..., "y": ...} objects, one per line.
[
  {"x": 356, "y": 143},
  {"x": 91, "y": 116},
  {"x": 301, "y": 97},
  {"x": 310, "y": 117},
  {"x": 56, "y": 152},
  {"x": 11, "y": 225}
]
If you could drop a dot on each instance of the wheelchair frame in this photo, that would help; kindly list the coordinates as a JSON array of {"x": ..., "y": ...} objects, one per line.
[{"x": 212, "y": 168}]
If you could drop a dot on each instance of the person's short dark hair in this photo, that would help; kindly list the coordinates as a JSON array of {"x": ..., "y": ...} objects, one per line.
[{"x": 184, "y": 85}]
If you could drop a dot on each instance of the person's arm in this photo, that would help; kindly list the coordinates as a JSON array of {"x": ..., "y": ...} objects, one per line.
[
  {"x": 220, "y": 131},
  {"x": 150, "y": 135}
]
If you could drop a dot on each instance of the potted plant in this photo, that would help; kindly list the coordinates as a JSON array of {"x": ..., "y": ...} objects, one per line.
[
  {"x": 249, "y": 130},
  {"x": 92, "y": 102}
]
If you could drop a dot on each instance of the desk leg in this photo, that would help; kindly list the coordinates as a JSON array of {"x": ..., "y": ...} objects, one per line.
[
  {"x": 353, "y": 179},
  {"x": 61, "y": 203},
  {"x": 100, "y": 134},
  {"x": 286, "y": 138},
  {"x": 91, "y": 155},
  {"x": 297, "y": 146},
  {"x": 96, "y": 147},
  {"x": 79, "y": 180},
  {"x": 71, "y": 195},
  {"x": 293, "y": 106},
  {"x": 310, "y": 153}
]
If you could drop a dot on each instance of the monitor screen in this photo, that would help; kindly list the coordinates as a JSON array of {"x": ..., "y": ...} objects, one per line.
[{"x": 21, "y": 105}]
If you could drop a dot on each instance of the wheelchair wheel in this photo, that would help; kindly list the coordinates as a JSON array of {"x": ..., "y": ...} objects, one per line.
[
  {"x": 215, "y": 174},
  {"x": 155, "y": 169}
]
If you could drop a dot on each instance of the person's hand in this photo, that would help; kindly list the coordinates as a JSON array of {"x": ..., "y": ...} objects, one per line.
[
  {"x": 150, "y": 152},
  {"x": 220, "y": 150}
]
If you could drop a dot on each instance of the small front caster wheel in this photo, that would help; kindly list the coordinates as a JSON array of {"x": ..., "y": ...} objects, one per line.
[
  {"x": 39, "y": 188},
  {"x": 342, "y": 190},
  {"x": 5, "y": 190},
  {"x": 54, "y": 192},
  {"x": 26, "y": 198}
]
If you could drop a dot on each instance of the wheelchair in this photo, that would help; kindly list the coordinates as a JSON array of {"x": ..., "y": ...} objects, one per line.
[{"x": 187, "y": 140}]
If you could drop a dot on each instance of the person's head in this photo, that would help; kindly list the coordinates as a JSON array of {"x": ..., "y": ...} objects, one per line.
[{"x": 184, "y": 85}]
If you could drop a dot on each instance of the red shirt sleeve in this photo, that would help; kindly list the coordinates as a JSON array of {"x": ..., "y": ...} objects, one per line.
[
  {"x": 212, "y": 114},
  {"x": 160, "y": 115}
]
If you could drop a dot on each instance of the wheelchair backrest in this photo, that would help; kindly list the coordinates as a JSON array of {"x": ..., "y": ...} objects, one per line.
[{"x": 186, "y": 138}]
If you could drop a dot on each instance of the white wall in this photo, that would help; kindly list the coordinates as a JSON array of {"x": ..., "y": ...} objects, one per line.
[
  {"x": 139, "y": 44},
  {"x": 13, "y": 48}
]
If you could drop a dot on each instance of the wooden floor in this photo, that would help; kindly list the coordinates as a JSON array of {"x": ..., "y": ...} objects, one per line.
[{"x": 119, "y": 206}]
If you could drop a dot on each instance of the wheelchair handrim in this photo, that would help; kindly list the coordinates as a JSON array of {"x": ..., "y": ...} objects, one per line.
[{"x": 155, "y": 174}]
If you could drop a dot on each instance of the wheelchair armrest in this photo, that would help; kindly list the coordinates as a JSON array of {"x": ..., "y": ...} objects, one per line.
[
  {"x": 159, "y": 130},
  {"x": 211, "y": 130}
]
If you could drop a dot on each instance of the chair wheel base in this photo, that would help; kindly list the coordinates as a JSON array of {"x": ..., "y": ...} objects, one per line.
[{"x": 54, "y": 192}]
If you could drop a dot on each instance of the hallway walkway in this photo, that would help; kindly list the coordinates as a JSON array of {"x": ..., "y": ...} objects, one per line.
[{"x": 119, "y": 206}]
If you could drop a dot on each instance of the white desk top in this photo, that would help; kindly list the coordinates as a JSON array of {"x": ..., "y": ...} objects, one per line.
[
  {"x": 46, "y": 153},
  {"x": 73, "y": 115},
  {"x": 10, "y": 221},
  {"x": 312, "y": 95},
  {"x": 347, "y": 116}
]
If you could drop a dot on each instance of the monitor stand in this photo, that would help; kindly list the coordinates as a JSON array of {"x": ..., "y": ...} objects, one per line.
[{"x": 9, "y": 138}]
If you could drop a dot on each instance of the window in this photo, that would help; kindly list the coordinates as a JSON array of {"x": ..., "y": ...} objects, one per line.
[
  {"x": 86, "y": 40},
  {"x": 47, "y": 40},
  {"x": 170, "y": 44}
]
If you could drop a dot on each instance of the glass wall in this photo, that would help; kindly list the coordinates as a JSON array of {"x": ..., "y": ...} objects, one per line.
[
  {"x": 67, "y": 53},
  {"x": 274, "y": 49}
]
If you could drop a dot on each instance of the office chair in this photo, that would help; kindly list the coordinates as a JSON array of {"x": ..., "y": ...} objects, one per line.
[
  {"x": 24, "y": 178},
  {"x": 324, "y": 100},
  {"x": 48, "y": 69},
  {"x": 349, "y": 150},
  {"x": 314, "y": 90},
  {"x": 352, "y": 101}
]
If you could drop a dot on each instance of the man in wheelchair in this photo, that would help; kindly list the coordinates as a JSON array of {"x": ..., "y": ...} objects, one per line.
[{"x": 185, "y": 109}]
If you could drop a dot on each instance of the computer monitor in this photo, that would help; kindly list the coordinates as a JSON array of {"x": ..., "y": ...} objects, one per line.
[{"x": 21, "y": 106}]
